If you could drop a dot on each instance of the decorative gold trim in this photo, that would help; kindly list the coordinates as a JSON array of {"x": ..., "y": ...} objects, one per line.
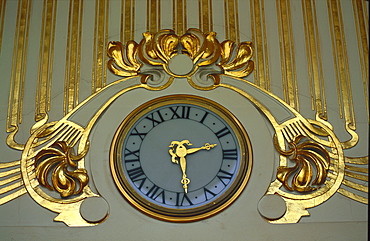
[
  {"x": 344, "y": 89},
  {"x": 317, "y": 132},
  {"x": 205, "y": 15},
  {"x": 179, "y": 16},
  {"x": 99, "y": 71},
  {"x": 73, "y": 56},
  {"x": 259, "y": 36},
  {"x": 153, "y": 22},
  {"x": 309, "y": 157},
  {"x": 127, "y": 20},
  {"x": 15, "y": 103},
  {"x": 46, "y": 55},
  {"x": 2, "y": 17},
  {"x": 358, "y": 160},
  {"x": 214, "y": 65},
  {"x": 67, "y": 178},
  {"x": 359, "y": 11},
  {"x": 314, "y": 60},
  {"x": 320, "y": 148},
  {"x": 158, "y": 50},
  {"x": 353, "y": 196},
  {"x": 190, "y": 214},
  {"x": 231, "y": 20},
  {"x": 287, "y": 53}
]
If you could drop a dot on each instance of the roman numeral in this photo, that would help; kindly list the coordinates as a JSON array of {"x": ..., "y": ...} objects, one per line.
[
  {"x": 136, "y": 174},
  {"x": 204, "y": 117},
  {"x": 185, "y": 112},
  {"x": 224, "y": 175},
  {"x": 174, "y": 112},
  {"x": 131, "y": 154},
  {"x": 230, "y": 154},
  {"x": 185, "y": 197},
  {"x": 156, "y": 118},
  {"x": 180, "y": 112},
  {"x": 206, "y": 191},
  {"x": 222, "y": 132},
  {"x": 154, "y": 193},
  {"x": 136, "y": 133}
]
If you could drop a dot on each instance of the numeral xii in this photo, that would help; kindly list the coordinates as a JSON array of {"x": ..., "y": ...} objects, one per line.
[{"x": 180, "y": 112}]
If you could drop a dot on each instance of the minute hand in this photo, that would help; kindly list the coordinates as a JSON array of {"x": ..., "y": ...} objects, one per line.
[{"x": 206, "y": 146}]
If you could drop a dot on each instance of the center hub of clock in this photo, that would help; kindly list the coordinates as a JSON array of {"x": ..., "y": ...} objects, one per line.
[{"x": 201, "y": 167}]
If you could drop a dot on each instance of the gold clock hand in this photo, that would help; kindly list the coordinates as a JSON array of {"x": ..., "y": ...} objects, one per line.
[
  {"x": 185, "y": 181},
  {"x": 206, "y": 146},
  {"x": 181, "y": 152}
]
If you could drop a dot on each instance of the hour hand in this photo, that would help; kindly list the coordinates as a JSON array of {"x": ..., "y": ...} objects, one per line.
[{"x": 173, "y": 155}]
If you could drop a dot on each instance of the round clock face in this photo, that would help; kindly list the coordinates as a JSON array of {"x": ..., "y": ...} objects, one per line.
[{"x": 181, "y": 158}]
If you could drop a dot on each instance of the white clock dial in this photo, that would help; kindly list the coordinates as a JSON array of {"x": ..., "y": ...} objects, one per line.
[{"x": 181, "y": 158}]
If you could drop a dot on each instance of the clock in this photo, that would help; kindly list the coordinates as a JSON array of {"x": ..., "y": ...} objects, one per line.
[{"x": 181, "y": 158}]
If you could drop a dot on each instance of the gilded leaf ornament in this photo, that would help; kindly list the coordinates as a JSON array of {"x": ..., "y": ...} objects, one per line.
[
  {"x": 120, "y": 64},
  {"x": 309, "y": 158},
  {"x": 67, "y": 179},
  {"x": 157, "y": 49}
]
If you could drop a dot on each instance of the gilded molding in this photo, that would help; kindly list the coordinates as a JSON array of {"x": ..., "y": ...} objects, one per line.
[
  {"x": 259, "y": 36},
  {"x": 314, "y": 59},
  {"x": 362, "y": 31},
  {"x": 73, "y": 56},
  {"x": 2, "y": 16},
  {"x": 99, "y": 71},
  {"x": 179, "y": 16},
  {"x": 205, "y": 15},
  {"x": 154, "y": 12},
  {"x": 127, "y": 20},
  {"x": 15, "y": 102},
  {"x": 46, "y": 60},
  {"x": 287, "y": 53},
  {"x": 231, "y": 20},
  {"x": 341, "y": 68}
]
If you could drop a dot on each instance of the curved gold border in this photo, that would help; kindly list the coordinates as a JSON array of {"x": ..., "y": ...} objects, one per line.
[{"x": 191, "y": 214}]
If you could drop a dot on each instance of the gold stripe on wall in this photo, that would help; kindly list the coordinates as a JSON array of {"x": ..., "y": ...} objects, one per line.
[
  {"x": 179, "y": 17},
  {"x": 99, "y": 73},
  {"x": 15, "y": 104},
  {"x": 153, "y": 16},
  {"x": 290, "y": 86},
  {"x": 46, "y": 55},
  {"x": 2, "y": 16},
  {"x": 258, "y": 26},
  {"x": 73, "y": 56},
  {"x": 231, "y": 20},
  {"x": 340, "y": 56},
  {"x": 205, "y": 15},
  {"x": 127, "y": 20},
  {"x": 314, "y": 60},
  {"x": 360, "y": 14}
]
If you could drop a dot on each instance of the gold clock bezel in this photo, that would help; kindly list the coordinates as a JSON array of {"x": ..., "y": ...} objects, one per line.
[{"x": 171, "y": 214}]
